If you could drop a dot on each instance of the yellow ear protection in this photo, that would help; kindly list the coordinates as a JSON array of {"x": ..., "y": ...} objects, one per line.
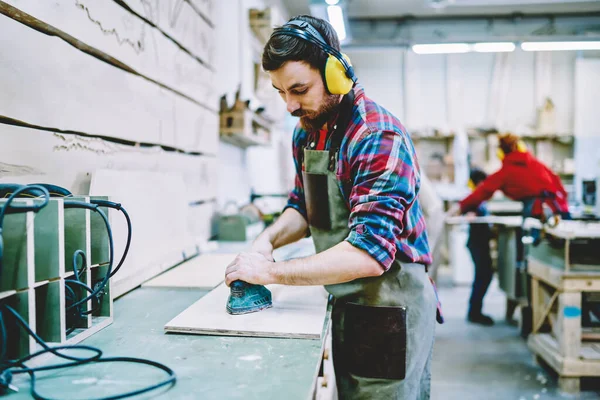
[
  {"x": 337, "y": 72},
  {"x": 471, "y": 185},
  {"x": 521, "y": 148}
]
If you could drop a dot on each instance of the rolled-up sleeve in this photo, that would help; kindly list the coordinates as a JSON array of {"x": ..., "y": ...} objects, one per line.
[
  {"x": 385, "y": 181},
  {"x": 296, "y": 195}
]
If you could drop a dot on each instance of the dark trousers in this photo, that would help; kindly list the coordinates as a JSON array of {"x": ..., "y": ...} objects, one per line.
[{"x": 480, "y": 253}]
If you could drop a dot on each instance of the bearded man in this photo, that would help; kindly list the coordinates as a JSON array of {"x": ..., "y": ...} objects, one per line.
[{"x": 356, "y": 193}]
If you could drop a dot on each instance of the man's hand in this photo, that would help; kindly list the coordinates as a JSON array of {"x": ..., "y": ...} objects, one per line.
[
  {"x": 264, "y": 247},
  {"x": 252, "y": 268}
]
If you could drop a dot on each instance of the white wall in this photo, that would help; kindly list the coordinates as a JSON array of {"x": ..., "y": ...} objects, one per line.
[
  {"x": 382, "y": 78},
  {"x": 121, "y": 114},
  {"x": 587, "y": 97},
  {"x": 257, "y": 168},
  {"x": 469, "y": 90},
  {"x": 488, "y": 90}
]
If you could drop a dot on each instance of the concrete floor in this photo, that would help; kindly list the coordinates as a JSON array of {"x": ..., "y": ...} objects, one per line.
[{"x": 492, "y": 363}]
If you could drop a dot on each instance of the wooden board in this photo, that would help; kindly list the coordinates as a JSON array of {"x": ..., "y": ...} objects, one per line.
[
  {"x": 70, "y": 160},
  {"x": 576, "y": 229},
  {"x": 297, "y": 312},
  {"x": 184, "y": 21},
  {"x": 117, "y": 32},
  {"x": 302, "y": 248},
  {"x": 55, "y": 85},
  {"x": 158, "y": 207},
  {"x": 202, "y": 272}
]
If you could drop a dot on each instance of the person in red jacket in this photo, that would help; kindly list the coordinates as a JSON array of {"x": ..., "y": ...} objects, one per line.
[{"x": 522, "y": 177}]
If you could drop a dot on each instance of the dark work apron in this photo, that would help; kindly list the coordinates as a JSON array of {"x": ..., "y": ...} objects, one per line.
[{"x": 383, "y": 327}]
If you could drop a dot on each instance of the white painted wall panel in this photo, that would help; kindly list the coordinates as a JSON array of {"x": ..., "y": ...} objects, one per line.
[
  {"x": 50, "y": 83},
  {"x": 184, "y": 21},
  {"x": 29, "y": 155},
  {"x": 115, "y": 31},
  {"x": 382, "y": 77}
]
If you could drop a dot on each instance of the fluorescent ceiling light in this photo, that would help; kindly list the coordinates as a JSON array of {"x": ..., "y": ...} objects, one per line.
[
  {"x": 557, "y": 46},
  {"x": 332, "y": 2},
  {"x": 494, "y": 47},
  {"x": 441, "y": 48},
  {"x": 496, "y": 3},
  {"x": 336, "y": 18}
]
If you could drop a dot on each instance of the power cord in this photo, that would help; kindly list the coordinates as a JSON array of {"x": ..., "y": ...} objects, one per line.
[
  {"x": 8, "y": 368},
  {"x": 119, "y": 207},
  {"x": 100, "y": 286},
  {"x": 75, "y": 361}
]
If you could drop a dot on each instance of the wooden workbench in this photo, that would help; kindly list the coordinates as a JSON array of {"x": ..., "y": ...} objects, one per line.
[
  {"x": 559, "y": 281},
  {"x": 207, "y": 367}
]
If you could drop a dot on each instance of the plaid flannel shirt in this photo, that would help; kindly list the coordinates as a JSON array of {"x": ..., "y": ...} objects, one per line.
[{"x": 379, "y": 178}]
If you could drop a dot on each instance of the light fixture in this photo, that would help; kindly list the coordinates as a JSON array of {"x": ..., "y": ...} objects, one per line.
[
  {"x": 557, "y": 46},
  {"x": 332, "y": 2},
  {"x": 441, "y": 48},
  {"x": 450, "y": 48},
  {"x": 336, "y": 19},
  {"x": 494, "y": 47}
]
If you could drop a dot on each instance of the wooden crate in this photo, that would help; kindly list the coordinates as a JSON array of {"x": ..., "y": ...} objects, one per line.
[{"x": 557, "y": 336}]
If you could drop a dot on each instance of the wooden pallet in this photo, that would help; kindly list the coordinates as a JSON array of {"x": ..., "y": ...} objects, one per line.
[{"x": 557, "y": 336}]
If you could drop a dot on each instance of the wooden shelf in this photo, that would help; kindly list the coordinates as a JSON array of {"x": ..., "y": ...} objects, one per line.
[
  {"x": 566, "y": 138},
  {"x": 242, "y": 141},
  {"x": 433, "y": 137},
  {"x": 261, "y": 23},
  {"x": 244, "y": 128}
]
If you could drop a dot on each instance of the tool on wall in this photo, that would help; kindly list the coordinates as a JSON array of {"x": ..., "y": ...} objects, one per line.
[{"x": 247, "y": 298}]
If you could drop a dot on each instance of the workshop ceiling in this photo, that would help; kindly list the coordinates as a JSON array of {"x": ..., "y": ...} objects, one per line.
[
  {"x": 405, "y": 22},
  {"x": 398, "y": 8}
]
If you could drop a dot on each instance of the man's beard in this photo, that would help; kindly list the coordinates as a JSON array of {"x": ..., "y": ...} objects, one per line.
[{"x": 312, "y": 121}]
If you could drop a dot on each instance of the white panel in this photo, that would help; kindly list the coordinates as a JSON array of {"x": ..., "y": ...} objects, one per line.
[
  {"x": 200, "y": 220},
  {"x": 206, "y": 7},
  {"x": 587, "y": 130},
  {"x": 112, "y": 29},
  {"x": 469, "y": 80},
  {"x": 234, "y": 176},
  {"x": 543, "y": 77},
  {"x": 180, "y": 20},
  {"x": 382, "y": 80},
  {"x": 562, "y": 94},
  {"x": 28, "y": 156},
  {"x": 587, "y": 89},
  {"x": 228, "y": 64},
  {"x": 519, "y": 110},
  {"x": 425, "y": 91},
  {"x": 47, "y": 82},
  {"x": 159, "y": 216}
]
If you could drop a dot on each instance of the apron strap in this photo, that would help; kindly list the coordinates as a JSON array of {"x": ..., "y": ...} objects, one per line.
[
  {"x": 345, "y": 113},
  {"x": 346, "y": 107}
]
